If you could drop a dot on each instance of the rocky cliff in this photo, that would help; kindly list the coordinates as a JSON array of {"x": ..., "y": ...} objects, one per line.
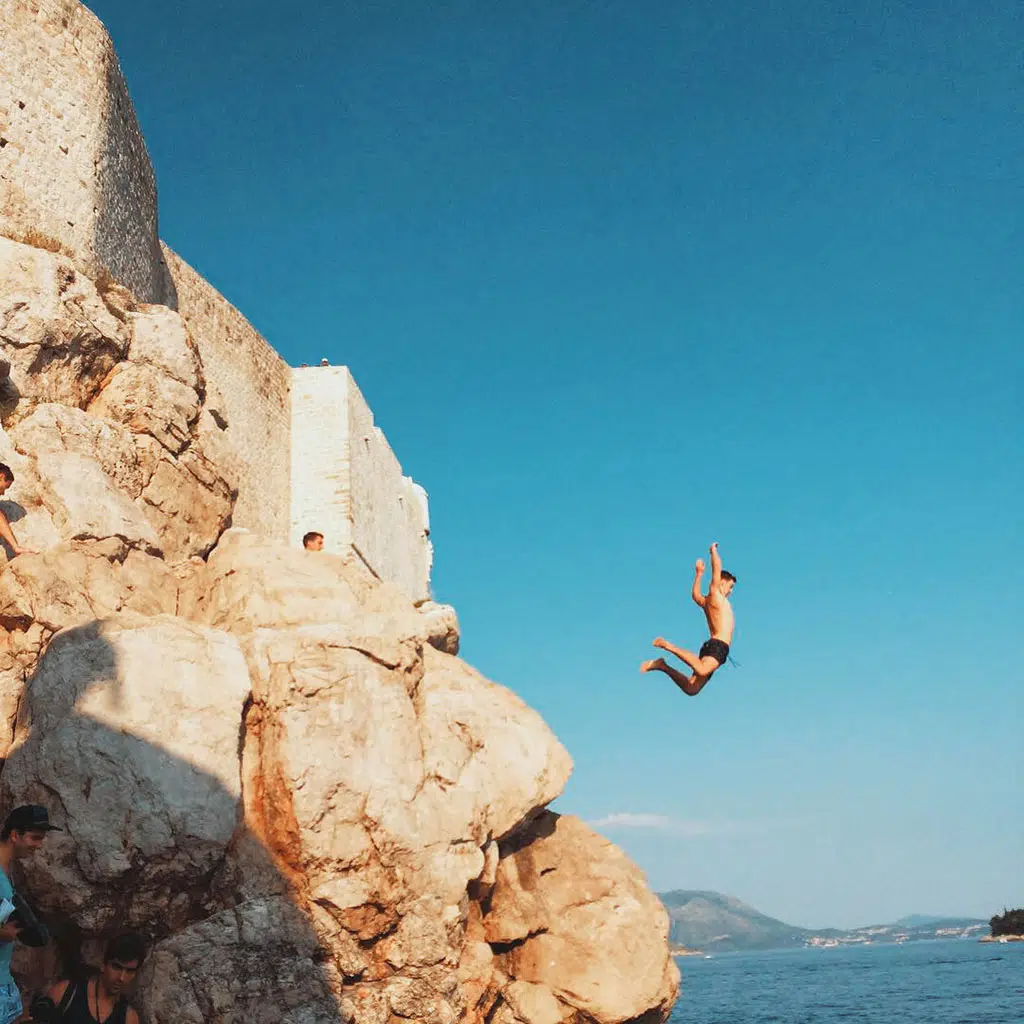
[{"x": 267, "y": 760}]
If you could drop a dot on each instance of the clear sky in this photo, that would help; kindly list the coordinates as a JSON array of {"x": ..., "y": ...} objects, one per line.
[{"x": 620, "y": 278}]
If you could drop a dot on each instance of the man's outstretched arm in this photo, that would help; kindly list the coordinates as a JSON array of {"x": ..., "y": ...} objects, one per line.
[
  {"x": 716, "y": 566},
  {"x": 7, "y": 534},
  {"x": 698, "y": 570}
]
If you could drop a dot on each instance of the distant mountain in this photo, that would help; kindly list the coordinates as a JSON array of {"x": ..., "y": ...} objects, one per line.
[{"x": 711, "y": 921}]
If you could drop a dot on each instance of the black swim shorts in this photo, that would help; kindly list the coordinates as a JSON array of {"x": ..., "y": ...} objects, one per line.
[{"x": 717, "y": 649}]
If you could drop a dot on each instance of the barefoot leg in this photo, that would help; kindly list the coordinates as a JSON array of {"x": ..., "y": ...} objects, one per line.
[
  {"x": 690, "y": 685},
  {"x": 682, "y": 654}
]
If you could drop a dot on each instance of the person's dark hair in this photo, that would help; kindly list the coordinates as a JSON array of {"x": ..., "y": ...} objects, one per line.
[
  {"x": 126, "y": 948},
  {"x": 312, "y": 535},
  {"x": 6, "y": 472},
  {"x": 728, "y": 576}
]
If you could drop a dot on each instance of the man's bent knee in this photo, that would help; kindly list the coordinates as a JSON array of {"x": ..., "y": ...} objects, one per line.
[{"x": 695, "y": 684}]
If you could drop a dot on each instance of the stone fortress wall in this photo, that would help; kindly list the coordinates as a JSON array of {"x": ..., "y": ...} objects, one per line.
[
  {"x": 347, "y": 483},
  {"x": 74, "y": 172},
  {"x": 75, "y": 177},
  {"x": 249, "y": 385}
]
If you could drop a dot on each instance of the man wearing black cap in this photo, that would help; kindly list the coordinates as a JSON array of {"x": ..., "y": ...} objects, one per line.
[{"x": 23, "y": 833}]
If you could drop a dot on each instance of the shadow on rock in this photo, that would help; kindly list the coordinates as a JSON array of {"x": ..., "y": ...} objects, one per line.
[
  {"x": 130, "y": 734},
  {"x": 318, "y": 813}
]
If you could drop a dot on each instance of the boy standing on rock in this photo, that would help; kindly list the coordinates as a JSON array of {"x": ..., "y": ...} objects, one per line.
[
  {"x": 6, "y": 533},
  {"x": 721, "y": 624}
]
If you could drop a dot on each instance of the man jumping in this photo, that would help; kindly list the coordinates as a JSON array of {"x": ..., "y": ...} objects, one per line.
[{"x": 721, "y": 623}]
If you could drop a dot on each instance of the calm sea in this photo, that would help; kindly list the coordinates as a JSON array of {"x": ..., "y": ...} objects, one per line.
[{"x": 954, "y": 982}]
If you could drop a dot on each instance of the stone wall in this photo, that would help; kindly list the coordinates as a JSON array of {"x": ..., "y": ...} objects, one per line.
[
  {"x": 248, "y": 386},
  {"x": 348, "y": 485},
  {"x": 75, "y": 176}
]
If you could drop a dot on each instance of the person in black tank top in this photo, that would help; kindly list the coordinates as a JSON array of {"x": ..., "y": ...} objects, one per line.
[
  {"x": 87, "y": 1005},
  {"x": 97, "y": 999}
]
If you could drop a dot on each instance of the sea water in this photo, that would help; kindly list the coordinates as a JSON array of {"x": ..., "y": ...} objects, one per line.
[{"x": 945, "y": 982}]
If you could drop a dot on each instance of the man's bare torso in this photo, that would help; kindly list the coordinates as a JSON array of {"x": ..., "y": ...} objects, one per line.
[{"x": 718, "y": 612}]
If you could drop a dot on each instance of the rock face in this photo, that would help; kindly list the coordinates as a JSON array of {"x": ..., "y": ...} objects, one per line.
[
  {"x": 267, "y": 760},
  {"x": 315, "y": 812}
]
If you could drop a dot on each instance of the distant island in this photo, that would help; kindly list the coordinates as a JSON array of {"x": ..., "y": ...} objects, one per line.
[
  {"x": 703, "y": 921},
  {"x": 1007, "y": 927}
]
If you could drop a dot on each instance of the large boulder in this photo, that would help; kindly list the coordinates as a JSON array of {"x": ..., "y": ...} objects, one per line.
[
  {"x": 157, "y": 390},
  {"x": 57, "y": 335},
  {"x": 386, "y": 833},
  {"x": 149, "y": 401},
  {"x": 132, "y": 726},
  {"x": 186, "y": 500},
  {"x": 248, "y": 585},
  {"x": 259, "y": 963},
  {"x": 574, "y": 917},
  {"x": 54, "y": 428}
]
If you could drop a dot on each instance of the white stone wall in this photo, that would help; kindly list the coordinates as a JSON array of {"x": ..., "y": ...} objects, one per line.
[
  {"x": 248, "y": 383},
  {"x": 348, "y": 485},
  {"x": 75, "y": 176}
]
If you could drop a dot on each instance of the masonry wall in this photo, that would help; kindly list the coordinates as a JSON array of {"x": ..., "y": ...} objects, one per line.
[
  {"x": 249, "y": 384},
  {"x": 75, "y": 176},
  {"x": 348, "y": 485}
]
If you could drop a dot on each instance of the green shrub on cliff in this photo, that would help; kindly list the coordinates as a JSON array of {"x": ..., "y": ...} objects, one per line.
[{"x": 1009, "y": 922}]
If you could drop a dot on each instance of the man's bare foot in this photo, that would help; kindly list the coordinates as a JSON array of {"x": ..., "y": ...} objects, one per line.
[{"x": 654, "y": 665}]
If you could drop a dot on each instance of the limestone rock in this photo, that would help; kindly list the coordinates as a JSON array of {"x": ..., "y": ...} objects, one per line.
[
  {"x": 440, "y": 626},
  {"x": 439, "y": 759},
  {"x": 60, "y": 428},
  {"x": 69, "y": 585},
  {"x": 186, "y": 500},
  {"x": 58, "y": 335},
  {"x": 19, "y": 653},
  {"x": 76, "y": 582},
  {"x": 85, "y": 503},
  {"x": 532, "y": 1004},
  {"x": 218, "y": 448},
  {"x": 160, "y": 338},
  {"x": 149, "y": 401},
  {"x": 387, "y": 834},
  {"x": 23, "y": 504},
  {"x": 259, "y": 963},
  {"x": 564, "y": 892},
  {"x": 250, "y": 585},
  {"x": 133, "y": 726}
]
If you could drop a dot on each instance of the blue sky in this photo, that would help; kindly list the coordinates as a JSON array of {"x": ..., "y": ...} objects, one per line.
[{"x": 622, "y": 278}]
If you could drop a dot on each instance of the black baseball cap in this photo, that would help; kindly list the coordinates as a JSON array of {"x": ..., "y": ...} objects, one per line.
[{"x": 30, "y": 818}]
